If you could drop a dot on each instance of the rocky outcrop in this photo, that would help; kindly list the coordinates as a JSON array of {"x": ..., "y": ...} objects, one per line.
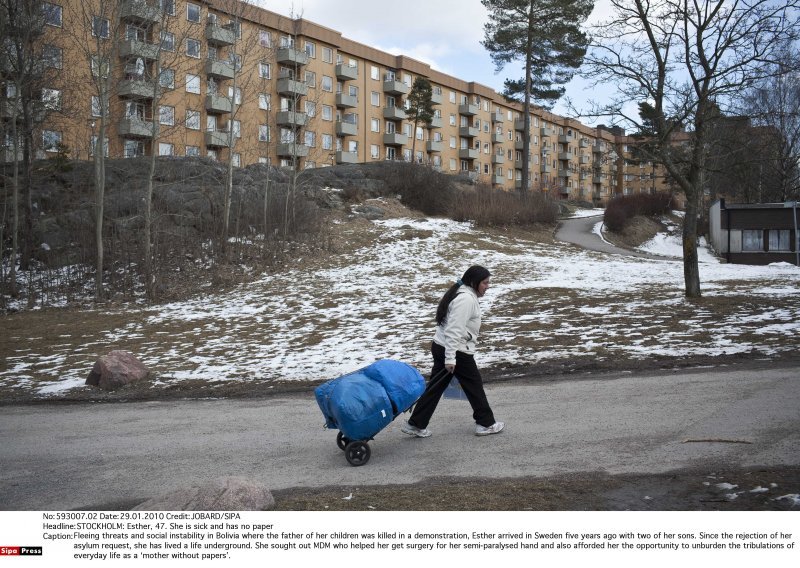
[{"x": 117, "y": 369}]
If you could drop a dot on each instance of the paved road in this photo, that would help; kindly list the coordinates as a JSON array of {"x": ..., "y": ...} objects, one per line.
[
  {"x": 579, "y": 231},
  {"x": 59, "y": 457}
]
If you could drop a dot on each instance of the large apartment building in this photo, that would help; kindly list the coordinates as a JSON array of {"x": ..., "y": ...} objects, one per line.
[{"x": 228, "y": 80}]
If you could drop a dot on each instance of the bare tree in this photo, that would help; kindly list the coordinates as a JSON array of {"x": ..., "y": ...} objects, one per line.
[{"x": 682, "y": 61}]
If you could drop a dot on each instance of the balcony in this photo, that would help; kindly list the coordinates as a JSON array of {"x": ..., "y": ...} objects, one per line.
[
  {"x": 7, "y": 155},
  {"x": 468, "y": 154},
  {"x": 137, "y": 128},
  {"x": 564, "y": 139},
  {"x": 563, "y": 173},
  {"x": 289, "y": 86},
  {"x": 546, "y": 132},
  {"x": 436, "y": 122},
  {"x": 497, "y": 138},
  {"x": 564, "y": 156},
  {"x": 597, "y": 149},
  {"x": 395, "y": 139},
  {"x": 291, "y": 56},
  {"x": 498, "y": 159},
  {"x": 136, "y": 89},
  {"x": 346, "y": 73},
  {"x": 346, "y": 129},
  {"x": 519, "y": 125},
  {"x": 219, "y": 69},
  {"x": 139, "y": 11},
  {"x": 434, "y": 146},
  {"x": 546, "y": 169},
  {"x": 519, "y": 145},
  {"x": 136, "y": 48},
  {"x": 468, "y": 132},
  {"x": 346, "y": 101},
  {"x": 468, "y": 109},
  {"x": 583, "y": 143},
  {"x": 346, "y": 157},
  {"x": 291, "y": 118},
  {"x": 597, "y": 179},
  {"x": 394, "y": 113},
  {"x": 583, "y": 160},
  {"x": 292, "y": 150},
  {"x": 498, "y": 180},
  {"x": 437, "y": 98},
  {"x": 217, "y": 139},
  {"x": 394, "y": 87},
  {"x": 497, "y": 117},
  {"x": 217, "y": 104},
  {"x": 220, "y": 35}
]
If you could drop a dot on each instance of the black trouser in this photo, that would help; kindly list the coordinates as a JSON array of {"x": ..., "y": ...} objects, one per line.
[{"x": 468, "y": 375}]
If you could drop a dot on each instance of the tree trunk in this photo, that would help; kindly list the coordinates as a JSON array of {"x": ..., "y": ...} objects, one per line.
[
  {"x": 100, "y": 189},
  {"x": 149, "y": 275},
  {"x": 15, "y": 213}
]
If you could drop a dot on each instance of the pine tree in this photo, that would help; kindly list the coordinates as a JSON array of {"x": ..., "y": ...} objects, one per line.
[
  {"x": 546, "y": 36},
  {"x": 420, "y": 107}
]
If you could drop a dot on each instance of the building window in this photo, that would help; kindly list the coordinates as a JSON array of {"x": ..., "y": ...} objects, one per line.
[
  {"x": 264, "y": 70},
  {"x": 264, "y": 101},
  {"x": 96, "y": 110},
  {"x": 779, "y": 240},
  {"x": 193, "y": 48},
  {"x": 327, "y": 142},
  {"x": 453, "y": 164},
  {"x": 52, "y": 14},
  {"x": 212, "y": 154},
  {"x": 238, "y": 98},
  {"x": 166, "y": 78},
  {"x": 311, "y": 49},
  {"x": 133, "y": 149},
  {"x": 193, "y": 13},
  {"x": 193, "y": 119},
  {"x": 237, "y": 160},
  {"x": 192, "y": 151},
  {"x": 99, "y": 66},
  {"x": 327, "y": 84},
  {"x": 263, "y": 132},
  {"x": 753, "y": 240},
  {"x": 311, "y": 109},
  {"x": 452, "y": 120},
  {"x": 51, "y": 99},
  {"x": 327, "y": 55},
  {"x": 375, "y": 125},
  {"x": 310, "y": 139},
  {"x": 265, "y": 38},
  {"x": 52, "y": 56},
  {"x": 165, "y": 149},
  {"x": 193, "y": 83},
  {"x": 237, "y": 128},
  {"x": 167, "y": 41},
  {"x": 327, "y": 112},
  {"x": 166, "y": 115},
  {"x": 375, "y": 73},
  {"x": 51, "y": 140},
  {"x": 311, "y": 80},
  {"x": 100, "y": 27},
  {"x": 167, "y": 6}
]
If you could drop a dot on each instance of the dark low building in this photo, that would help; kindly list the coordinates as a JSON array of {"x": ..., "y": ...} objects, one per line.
[{"x": 755, "y": 233}]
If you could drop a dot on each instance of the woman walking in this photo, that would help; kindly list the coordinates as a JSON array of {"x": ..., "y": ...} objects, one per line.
[{"x": 458, "y": 322}]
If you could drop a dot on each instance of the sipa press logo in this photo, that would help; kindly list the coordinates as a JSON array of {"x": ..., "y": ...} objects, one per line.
[{"x": 20, "y": 550}]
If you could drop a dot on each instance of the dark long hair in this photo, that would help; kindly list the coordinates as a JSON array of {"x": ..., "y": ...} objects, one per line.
[{"x": 472, "y": 278}]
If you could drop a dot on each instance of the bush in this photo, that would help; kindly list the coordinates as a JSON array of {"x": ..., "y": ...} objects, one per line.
[
  {"x": 488, "y": 207},
  {"x": 421, "y": 188},
  {"x": 621, "y": 209}
]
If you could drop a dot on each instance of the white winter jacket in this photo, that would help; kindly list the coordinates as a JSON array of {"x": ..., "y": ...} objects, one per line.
[{"x": 459, "y": 331}]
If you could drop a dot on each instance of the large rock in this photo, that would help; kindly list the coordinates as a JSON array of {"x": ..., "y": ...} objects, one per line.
[
  {"x": 223, "y": 494},
  {"x": 117, "y": 369}
]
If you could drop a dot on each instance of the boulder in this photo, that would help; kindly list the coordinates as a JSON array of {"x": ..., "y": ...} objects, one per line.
[
  {"x": 117, "y": 369},
  {"x": 222, "y": 494}
]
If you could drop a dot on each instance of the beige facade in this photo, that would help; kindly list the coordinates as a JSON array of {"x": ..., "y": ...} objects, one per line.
[{"x": 224, "y": 79}]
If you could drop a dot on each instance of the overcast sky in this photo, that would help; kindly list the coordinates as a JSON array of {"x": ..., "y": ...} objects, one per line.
[{"x": 446, "y": 34}]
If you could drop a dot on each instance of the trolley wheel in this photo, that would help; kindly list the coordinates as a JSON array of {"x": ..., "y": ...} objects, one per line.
[
  {"x": 342, "y": 441},
  {"x": 357, "y": 453}
]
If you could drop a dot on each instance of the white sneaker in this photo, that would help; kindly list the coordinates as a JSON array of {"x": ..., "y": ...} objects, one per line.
[
  {"x": 495, "y": 428},
  {"x": 411, "y": 430}
]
